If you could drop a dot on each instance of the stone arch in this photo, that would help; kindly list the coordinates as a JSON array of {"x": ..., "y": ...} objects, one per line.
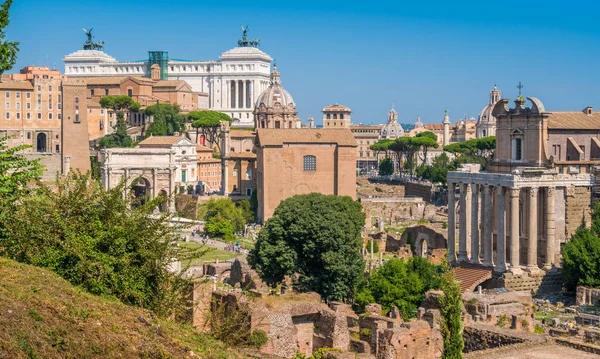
[
  {"x": 141, "y": 190},
  {"x": 301, "y": 188},
  {"x": 422, "y": 248}
]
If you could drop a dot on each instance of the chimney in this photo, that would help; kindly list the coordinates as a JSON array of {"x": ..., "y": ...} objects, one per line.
[{"x": 588, "y": 110}]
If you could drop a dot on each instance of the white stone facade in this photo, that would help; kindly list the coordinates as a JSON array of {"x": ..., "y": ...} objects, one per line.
[{"x": 233, "y": 83}]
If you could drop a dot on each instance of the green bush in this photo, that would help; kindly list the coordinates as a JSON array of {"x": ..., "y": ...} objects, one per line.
[
  {"x": 222, "y": 217},
  {"x": 539, "y": 329},
  {"x": 502, "y": 321},
  {"x": 99, "y": 241},
  {"x": 375, "y": 246},
  {"x": 386, "y": 167},
  {"x": 258, "y": 338},
  {"x": 399, "y": 283}
]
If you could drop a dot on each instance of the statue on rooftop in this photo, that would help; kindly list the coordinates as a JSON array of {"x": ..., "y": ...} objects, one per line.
[
  {"x": 89, "y": 44},
  {"x": 244, "y": 41}
]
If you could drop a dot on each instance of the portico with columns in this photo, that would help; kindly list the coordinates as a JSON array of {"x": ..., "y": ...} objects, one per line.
[{"x": 516, "y": 227}]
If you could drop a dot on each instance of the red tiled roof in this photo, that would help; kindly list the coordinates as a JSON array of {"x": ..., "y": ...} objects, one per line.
[{"x": 471, "y": 275}]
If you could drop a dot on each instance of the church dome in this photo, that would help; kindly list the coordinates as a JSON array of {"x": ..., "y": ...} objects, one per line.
[
  {"x": 392, "y": 129},
  {"x": 275, "y": 95},
  {"x": 275, "y": 107}
]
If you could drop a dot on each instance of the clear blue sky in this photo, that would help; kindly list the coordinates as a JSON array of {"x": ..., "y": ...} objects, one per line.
[{"x": 422, "y": 56}]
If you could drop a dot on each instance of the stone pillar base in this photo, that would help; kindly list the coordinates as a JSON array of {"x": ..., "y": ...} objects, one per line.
[
  {"x": 500, "y": 269},
  {"x": 533, "y": 270},
  {"x": 487, "y": 264},
  {"x": 516, "y": 270}
]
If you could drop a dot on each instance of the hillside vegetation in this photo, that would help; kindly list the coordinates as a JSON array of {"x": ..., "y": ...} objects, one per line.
[{"x": 43, "y": 316}]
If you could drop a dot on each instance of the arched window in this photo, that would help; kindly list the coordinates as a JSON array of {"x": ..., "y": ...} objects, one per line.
[
  {"x": 341, "y": 116},
  {"x": 310, "y": 163},
  {"x": 328, "y": 115},
  {"x": 335, "y": 116},
  {"x": 129, "y": 92}
]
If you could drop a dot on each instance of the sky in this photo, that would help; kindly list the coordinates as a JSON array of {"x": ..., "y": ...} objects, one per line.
[{"x": 419, "y": 56}]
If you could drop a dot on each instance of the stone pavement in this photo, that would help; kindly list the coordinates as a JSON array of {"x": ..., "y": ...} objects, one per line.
[{"x": 551, "y": 351}]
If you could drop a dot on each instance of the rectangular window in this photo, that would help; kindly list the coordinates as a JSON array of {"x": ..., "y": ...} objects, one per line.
[
  {"x": 50, "y": 116},
  {"x": 18, "y": 105},
  {"x": 28, "y": 95},
  {"x": 59, "y": 116},
  {"x": 7, "y": 105},
  {"x": 248, "y": 174},
  {"x": 59, "y": 106},
  {"x": 310, "y": 163},
  {"x": 39, "y": 115},
  {"x": 49, "y": 87},
  {"x": 28, "y": 106},
  {"x": 18, "y": 115},
  {"x": 76, "y": 99},
  {"x": 18, "y": 95},
  {"x": 29, "y": 135},
  {"x": 183, "y": 175},
  {"x": 29, "y": 115},
  {"x": 39, "y": 88},
  {"x": 76, "y": 118},
  {"x": 49, "y": 105},
  {"x": 39, "y": 98},
  {"x": 57, "y": 148},
  {"x": 8, "y": 115},
  {"x": 39, "y": 105},
  {"x": 518, "y": 149},
  {"x": 7, "y": 94},
  {"x": 92, "y": 92},
  {"x": 105, "y": 92}
]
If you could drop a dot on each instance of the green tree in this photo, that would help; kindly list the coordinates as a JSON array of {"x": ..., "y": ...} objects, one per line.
[
  {"x": 246, "y": 207},
  {"x": 222, "y": 217},
  {"x": 8, "y": 49},
  {"x": 400, "y": 283},
  {"x": 118, "y": 104},
  {"x": 16, "y": 172},
  {"x": 451, "y": 324},
  {"x": 317, "y": 238},
  {"x": 425, "y": 140},
  {"x": 166, "y": 120},
  {"x": 581, "y": 260},
  {"x": 381, "y": 146},
  {"x": 96, "y": 240},
  {"x": 209, "y": 123},
  {"x": 386, "y": 167}
]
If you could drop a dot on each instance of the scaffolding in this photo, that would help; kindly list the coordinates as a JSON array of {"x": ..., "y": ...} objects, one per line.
[{"x": 161, "y": 58}]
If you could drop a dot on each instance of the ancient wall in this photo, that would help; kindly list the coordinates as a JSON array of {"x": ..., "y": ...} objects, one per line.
[
  {"x": 187, "y": 204},
  {"x": 395, "y": 210},
  {"x": 480, "y": 339},
  {"x": 419, "y": 189},
  {"x": 543, "y": 282},
  {"x": 578, "y": 208},
  {"x": 587, "y": 296}
]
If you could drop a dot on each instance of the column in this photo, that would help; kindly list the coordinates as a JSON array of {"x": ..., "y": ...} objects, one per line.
[
  {"x": 475, "y": 224},
  {"x": 465, "y": 204},
  {"x": 533, "y": 233},
  {"x": 240, "y": 94},
  {"x": 514, "y": 228},
  {"x": 550, "y": 228},
  {"x": 225, "y": 177},
  {"x": 500, "y": 230},
  {"x": 451, "y": 224},
  {"x": 487, "y": 226}
]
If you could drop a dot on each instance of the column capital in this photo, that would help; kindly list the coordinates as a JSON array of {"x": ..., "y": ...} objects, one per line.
[
  {"x": 514, "y": 192},
  {"x": 533, "y": 191},
  {"x": 551, "y": 191},
  {"x": 500, "y": 190}
]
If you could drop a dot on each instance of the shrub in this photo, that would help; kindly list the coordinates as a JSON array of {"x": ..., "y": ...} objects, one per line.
[
  {"x": 258, "y": 338},
  {"x": 502, "y": 321},
  {"x": 539, "y": 329}
]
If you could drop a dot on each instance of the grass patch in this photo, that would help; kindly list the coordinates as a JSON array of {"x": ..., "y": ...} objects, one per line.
[
  {"x": 71, "y": 323},
  {"x": 210, "y": 256}
]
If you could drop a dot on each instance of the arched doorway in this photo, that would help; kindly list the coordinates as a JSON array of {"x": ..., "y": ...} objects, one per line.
[
  {"x": 423, "y": 248},
  {"x": 164, "y": 205},
  {"x": 141, "y": 190},
  {"x": 41, "y": 142}
]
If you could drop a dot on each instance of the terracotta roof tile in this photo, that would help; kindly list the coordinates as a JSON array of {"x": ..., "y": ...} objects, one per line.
[
  {"x": 574, "y": 121},
  {"x": 242, "y": 133},
  {"x": 470, "y": 276},
  {"x": 16, "y": 85},
  {"x": 242, "y": 155},
  {"x": 278, "y": 136},
  {"x": 434, "y": 126},
  {"x": 169, "y": 83},
  {"x": 200, "y": 148},
  {"x": 112, "y": 80}
]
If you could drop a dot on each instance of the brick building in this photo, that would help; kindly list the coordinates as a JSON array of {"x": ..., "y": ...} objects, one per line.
[
  {"x": 300, "y": 161},
  {"x": 209, "y": 169}
]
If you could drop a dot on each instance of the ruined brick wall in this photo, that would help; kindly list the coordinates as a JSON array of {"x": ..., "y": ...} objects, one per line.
[
  {"x": 587, "y": 296},
  {"x": 479, "y": 339},
  {"x": 577, "y": 209},
  {"x": 419, "y": 189},
  {"x": 393, "y": 210}
]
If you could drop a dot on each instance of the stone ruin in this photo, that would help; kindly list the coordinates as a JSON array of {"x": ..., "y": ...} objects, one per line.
[{"x": 512, "y": 310}]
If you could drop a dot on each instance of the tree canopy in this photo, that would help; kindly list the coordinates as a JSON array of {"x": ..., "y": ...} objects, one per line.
[
  {"x": 8, "y": 49},
  {"x": 581, "y": 255},
  {"x": 316, "y": 239},
  {"x": 209, "y": 123},
  {"x": 400, "y": 283},
  {"x": 386, "y": 167},
  {"x": 222, "y": 217},
  {"x": 451, "y": 324},
  {"x": 166, "y": 120},
  {"x": 118, "y": 104}
]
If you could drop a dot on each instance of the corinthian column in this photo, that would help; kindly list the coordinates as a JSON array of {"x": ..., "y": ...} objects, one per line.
[
  {"x": 475, "y": 224},
  {"x": 533, "y": 233},
  {"x": 500, "y": 230},
  {"x": 464, "y": 227},
  {"x": 487, "y": 226},
  {"x": 514, "y": 228},
  {"x": 550, "y": 229},
  {"x": 451, "y": 223}
]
